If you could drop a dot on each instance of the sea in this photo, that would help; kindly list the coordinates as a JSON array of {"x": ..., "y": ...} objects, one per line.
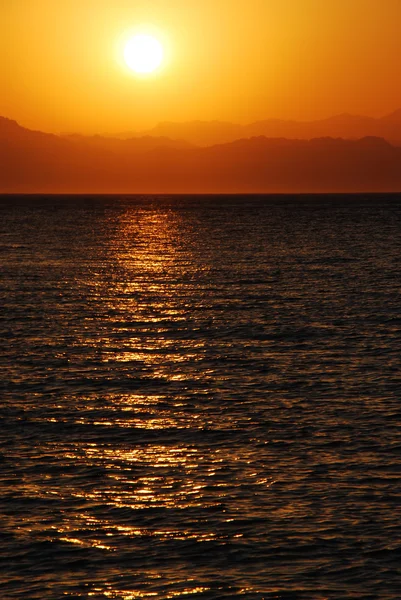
[{"x": 200, "y": 397}]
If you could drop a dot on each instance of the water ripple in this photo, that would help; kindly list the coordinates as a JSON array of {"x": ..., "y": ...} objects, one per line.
[{"x": 200, "y": 398}]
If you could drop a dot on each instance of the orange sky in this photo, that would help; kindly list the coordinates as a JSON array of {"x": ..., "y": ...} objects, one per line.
[{"x": 236, "y": 60}]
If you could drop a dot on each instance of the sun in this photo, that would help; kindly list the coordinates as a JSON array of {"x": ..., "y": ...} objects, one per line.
[{"x": 143, "y": 53}]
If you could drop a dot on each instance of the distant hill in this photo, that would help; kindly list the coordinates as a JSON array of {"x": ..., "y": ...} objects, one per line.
[
  {"x": 200, "y": 133},
  {"x": 132, "y": 145},
  {"x": 35, "y": 162},
  {"x": 207, "y": 133}
]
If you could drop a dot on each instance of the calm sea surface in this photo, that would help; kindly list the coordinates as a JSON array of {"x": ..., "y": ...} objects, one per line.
[{"x": 201, "y": 397}]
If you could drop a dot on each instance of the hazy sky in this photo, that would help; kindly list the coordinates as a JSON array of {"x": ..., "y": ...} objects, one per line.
[{"x": 62, "y": 67}]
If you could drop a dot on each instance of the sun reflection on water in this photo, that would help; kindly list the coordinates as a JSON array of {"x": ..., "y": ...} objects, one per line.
[{"x": 152, "y": 411}]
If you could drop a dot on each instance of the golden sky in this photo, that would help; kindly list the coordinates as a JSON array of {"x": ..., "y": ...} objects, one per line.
[{"x": 62, "y": 67}]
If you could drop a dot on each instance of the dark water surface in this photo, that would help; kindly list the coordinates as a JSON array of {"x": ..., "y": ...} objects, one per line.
[{"x": 201, "y": 397}]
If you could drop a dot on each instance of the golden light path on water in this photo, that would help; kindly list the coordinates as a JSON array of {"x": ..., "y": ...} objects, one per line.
[{"x": 183, "y": 477}]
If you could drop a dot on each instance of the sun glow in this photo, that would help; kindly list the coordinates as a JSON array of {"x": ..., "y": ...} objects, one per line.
[{"x": 143, "y": 54}]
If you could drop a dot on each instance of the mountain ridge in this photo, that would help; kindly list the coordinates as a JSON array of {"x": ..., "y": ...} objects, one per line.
[
  {"x": 37, "y": 162},
  {"x": 344, "y": 125}
]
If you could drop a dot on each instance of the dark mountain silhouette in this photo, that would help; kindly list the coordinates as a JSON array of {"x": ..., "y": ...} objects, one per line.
[
  {"x": 206, "y": 133},
  {"x": 200, "y": 133},
  {"x": 35, "y": 162},
  {"x": 128, "y": 145}
]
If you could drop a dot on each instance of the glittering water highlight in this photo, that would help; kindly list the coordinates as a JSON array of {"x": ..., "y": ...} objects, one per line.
[{"x": 200, "y": 397}]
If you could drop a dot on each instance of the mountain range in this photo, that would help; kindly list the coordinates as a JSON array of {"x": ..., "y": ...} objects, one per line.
[
  {"x": 37, "y": 162},
  {"x": 207, "y": 133}
]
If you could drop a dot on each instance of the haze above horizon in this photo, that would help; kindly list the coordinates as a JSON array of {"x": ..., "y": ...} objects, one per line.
[{"x": 233, "y": 60}]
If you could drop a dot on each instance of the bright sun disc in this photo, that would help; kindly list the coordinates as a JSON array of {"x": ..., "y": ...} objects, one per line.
[{"x": 143, "y": 53}]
